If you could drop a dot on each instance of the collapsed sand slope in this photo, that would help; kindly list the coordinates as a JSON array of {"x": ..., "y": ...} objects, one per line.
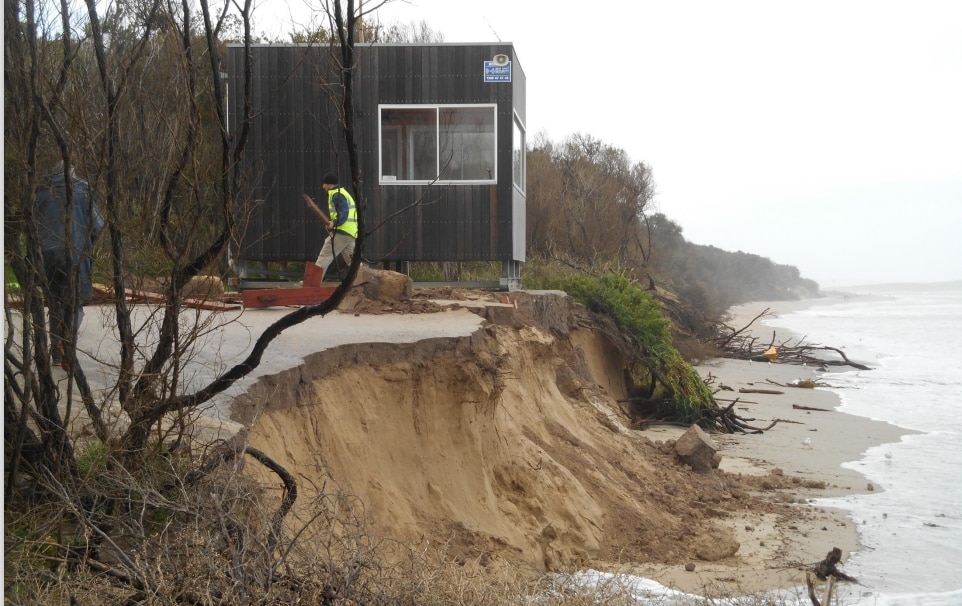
[{"x": 503, "y": 444}]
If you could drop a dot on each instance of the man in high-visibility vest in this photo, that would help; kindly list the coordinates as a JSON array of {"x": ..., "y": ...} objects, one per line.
[{"x": 341, "y": 224}]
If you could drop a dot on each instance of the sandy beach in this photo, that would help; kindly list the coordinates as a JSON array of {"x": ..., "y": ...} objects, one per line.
[{"x": 808, "y": 445}]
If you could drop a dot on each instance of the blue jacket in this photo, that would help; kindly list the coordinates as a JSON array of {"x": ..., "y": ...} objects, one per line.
[{"x": 51, "y": 206}]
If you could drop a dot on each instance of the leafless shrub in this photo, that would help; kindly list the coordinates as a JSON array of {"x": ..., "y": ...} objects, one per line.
[
  {"x": 167, "y": 535},
  {"x": 132, "y": 99}
]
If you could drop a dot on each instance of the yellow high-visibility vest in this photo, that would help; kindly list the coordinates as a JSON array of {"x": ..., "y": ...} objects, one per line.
[{"x": 350, "y": 224}]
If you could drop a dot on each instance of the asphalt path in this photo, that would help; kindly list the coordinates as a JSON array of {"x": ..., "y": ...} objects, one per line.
[{"x": 220, "y": 340}]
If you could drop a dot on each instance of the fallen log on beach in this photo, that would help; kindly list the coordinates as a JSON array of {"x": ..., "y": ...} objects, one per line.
[
  {"x": 844, "y": 357},
  {"x": 800, "y": 407}
]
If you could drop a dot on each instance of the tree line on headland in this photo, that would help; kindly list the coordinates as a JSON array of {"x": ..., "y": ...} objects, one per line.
[{"x": 590, "y": 206}]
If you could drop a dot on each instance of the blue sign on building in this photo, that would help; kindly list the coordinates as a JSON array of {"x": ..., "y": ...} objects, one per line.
[{"x": 497, "y": 72}]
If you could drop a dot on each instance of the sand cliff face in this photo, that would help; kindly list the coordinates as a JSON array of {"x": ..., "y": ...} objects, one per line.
[{"x": 509, "y": 443}]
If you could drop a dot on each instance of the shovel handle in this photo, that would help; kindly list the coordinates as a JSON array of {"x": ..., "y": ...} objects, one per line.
[{"x": 317, "y": 211}]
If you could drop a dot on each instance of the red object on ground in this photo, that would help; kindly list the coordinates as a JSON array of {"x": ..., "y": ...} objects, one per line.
[
  {"x": 313, "y": 275},
  {"x": 274, "y": 297}
]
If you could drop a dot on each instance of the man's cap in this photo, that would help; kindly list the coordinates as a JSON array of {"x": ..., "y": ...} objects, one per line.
[{"x": 330, "y": 179}]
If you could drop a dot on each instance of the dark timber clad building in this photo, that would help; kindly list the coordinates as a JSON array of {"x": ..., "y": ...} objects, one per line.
[{"x": 440, "y": 130}]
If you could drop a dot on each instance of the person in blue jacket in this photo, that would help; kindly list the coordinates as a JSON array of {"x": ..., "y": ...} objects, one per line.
[{"x": 68, "y": 230}]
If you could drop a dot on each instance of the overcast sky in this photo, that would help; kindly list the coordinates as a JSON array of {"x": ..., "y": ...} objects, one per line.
[{"x": 824, "y": 134}]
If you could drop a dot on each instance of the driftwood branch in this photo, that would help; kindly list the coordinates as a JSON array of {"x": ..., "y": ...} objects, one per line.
[
  {"x": 740, "y": 344},
  {"x": 800, "y": 407},
  {"x": 845, "y": 358},
  {"x": 829, "y": 567},
  {"x": 736, "y": 400},
  {"x": 826, "y": 597},
  {"x": 725, "y": 420},
  {"x": 827, "y": 570},
  {"x": 725, "y": 339}
]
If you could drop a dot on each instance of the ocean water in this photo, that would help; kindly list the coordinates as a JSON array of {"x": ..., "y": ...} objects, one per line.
[{"x": 911, "y": 531}]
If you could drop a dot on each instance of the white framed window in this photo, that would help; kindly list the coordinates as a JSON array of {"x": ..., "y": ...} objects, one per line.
[{"x": 443, "y": 143}]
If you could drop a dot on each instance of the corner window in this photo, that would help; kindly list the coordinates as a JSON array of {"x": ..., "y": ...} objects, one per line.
[{"x": 446, "y": 143}]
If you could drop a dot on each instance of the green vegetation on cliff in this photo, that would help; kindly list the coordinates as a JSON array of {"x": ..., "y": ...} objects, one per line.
[{"x": 667, "y": 385}]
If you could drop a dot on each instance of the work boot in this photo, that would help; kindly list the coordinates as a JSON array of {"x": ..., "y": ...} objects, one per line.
[{"x": 313, "y": 275}]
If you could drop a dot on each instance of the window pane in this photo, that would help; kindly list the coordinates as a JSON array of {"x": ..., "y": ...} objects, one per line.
[
  {"x": 408, "y": 144},
  {"x": 390, "y": 153},
  {"x": 424, "y": 154},
  {"x": 467, "y": 143}
]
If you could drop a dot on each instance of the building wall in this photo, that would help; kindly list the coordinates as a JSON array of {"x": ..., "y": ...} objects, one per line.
[{"x": 296, "y": 137}]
